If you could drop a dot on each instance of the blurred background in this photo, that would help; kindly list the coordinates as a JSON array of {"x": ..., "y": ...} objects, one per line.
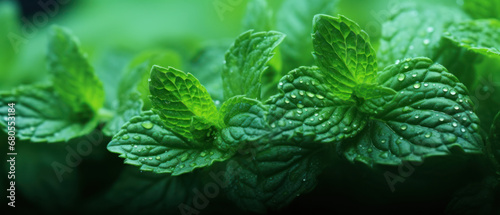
[{"x": 112, "y": 33}]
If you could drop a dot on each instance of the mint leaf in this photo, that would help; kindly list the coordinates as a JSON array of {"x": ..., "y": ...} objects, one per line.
[
  {"x": 148, "y": 142},
  {"x": 245, "y": 62},
  {"x": 480, "y": 36},
  {"x": 127, "y": 108},
  {"x": 73, "y": 76},
  {"x": 344, "y": 52},
  {"x": 272, "y": 175},
  {"x": 430, "y": 115},
  {"x": 245, "y": 120},
  {"x": 308, "y": 109},
  {"x": 258, "y": 16},
  {"x": 177, "y": 97},
  {"x": 416, "y": 31},
  {"x": 294, "y": 20},
  {"x": 482, "y": 9},
  {"x": 42, "y": 116}
]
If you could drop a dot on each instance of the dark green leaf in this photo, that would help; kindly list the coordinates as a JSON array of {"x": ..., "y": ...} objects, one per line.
[
  {"x": 245, "y": 62},
  {"x": 308, "y": 108},
  {"x": 41, "y": 115},
  {"x": 430, "y": 115},
  {"x": 147, "y": 142},
  {"x": 493, "y": 148}
]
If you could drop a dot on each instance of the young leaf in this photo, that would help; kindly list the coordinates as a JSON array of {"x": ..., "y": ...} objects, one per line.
[
  {"x": 480, "y": 36},
  {"x": 415, "y": 31},
  {"x": 245, "y": 62},
  {"x": 308, "y": 108},
  {"x": 42, "y": 116},
  {"x": 343, "y": 51},
  {"x": 148, "y": 142},
  {"x": 272, "y": 175},
  {"x": 430, "y": 115},
  {"x": 73, "y": 76},
  {"x": 177, "y": 97},
  {"x": 258, "y": 16},
  {"x": 482, "y": 9},
  {"x": 245, "y": 121},
  {"x": 294, "y": 20}
]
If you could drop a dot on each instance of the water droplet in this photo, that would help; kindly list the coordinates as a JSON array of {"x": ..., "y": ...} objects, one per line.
[
  {"x": 312, "y": 119},
  {"x": 287, "y": 101},
  {"x": 416, "y": 117},
  {"x": 404, "y": 127},
  {"x": 456, "y": 108},
  {"x": 192, "y": 164},
  {"x": 310, "y": 94},
  {"x": 426, "y": 85},
  {"x": 147, "y": 125},
  {"x": 299, "y": 111},
  {"x": 462, "y": 130},
  {"x": 125, "y": 137},
  {"x": 454, "y": 124},
  {"x": 150, "y": 158},
  {"x": 369, "y": 150},
  {"x": 427, "y": 41},
  {"x": 445, "y": 90},
  {"x": 203, "y": 154},
  {"x": 453, "y": 92},
  {"x": 345, "y": 129},
  {"x": 397, "y": 62},
  {"x": 383, "y": 141},
  {"x": 430, "y": 29},
  {"x": 181, "y": 166},
  {"x": 428, "y": 135},
  {"x": 416, "y": 86},
  {"x": 301, "y": 81},
  {"x": 301, "y": 93},
  {"x": 441, "y": 119},
  {"x": 184, "y": 158},
  {"x": 300, "y": 105},
  {"x": 319, "y": 96},
  {"x": 324, "y": 125},
  {"x": 293, "y": 96},
  {"x": 401, "y": 77},
  {"x": 414, "y": 75},
  {"x": 464, "y": 118},
  {"x": 273, "y": 125},
  {"x": 281, "y": 83},
  {"x": 407, "y": 109}
]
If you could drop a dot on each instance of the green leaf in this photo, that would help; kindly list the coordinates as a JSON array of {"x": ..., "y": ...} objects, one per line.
[
  {"x": 272, "y": 175},
  {"x": 128, "y": 107},
  {"x": 480, "y": 36},
  {"x": 294, "y": 20},
  {"x": 42, "y": 116},
  {"x": 245, "y": 121},
  {"x": 372, "y": 91},
  {"x": 177, "y": 97},
  {"x": 73, "y": 76},
  {"x": 308, "y": 109},
  {"x": 258, "y": 16},
  {"x": 431, "y": 115},
  {"x": 147, "y": 142},
  {"x": 482, "y": 9},
  {"x": 416, "y": 31},
  {"x": 245, "y": 62},
  {"x": 344, "y": 52}
]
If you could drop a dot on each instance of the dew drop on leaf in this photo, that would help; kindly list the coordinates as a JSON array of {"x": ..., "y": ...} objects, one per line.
[{"x": 147, "y": 125}]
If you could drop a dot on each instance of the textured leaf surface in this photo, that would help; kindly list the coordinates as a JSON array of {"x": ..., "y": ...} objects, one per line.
[
  {"x": 344, "y": 53},
  {"x": 274, "y": 174},
  {"x": 306, "y": 108},
  {"x": 73, "y": 76},
  {"x": 480, "y": 36},
  {"x": 482, "y": 9},
  {"x": 294, "y": 19},
  {"x": 415, "y": 31},
  {"x": 177, "y": 97},
  {"x": 146, "y": 142},
  {"x": 128, "y": 107},
  {"x": 245, "y": 121},
  {"x": 430, "y": 115},
  {"x": 245, "y": 62},
  {"x": 41, "y": 116}
]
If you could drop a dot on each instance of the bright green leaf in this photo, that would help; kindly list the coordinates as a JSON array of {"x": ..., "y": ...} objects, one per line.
[
  {"x": 343, "y": 51},
  {"x": 307, "y": 108},
  {"x": 294, "y": 19},
  {"x": 73, "y": 76},
  {"x": 482, "y": 9},
  {"x": 480, "y": 36},
  {"x": 147, "y": 142},
  {"x": 42, "y": 116},
  {"x": 177, "y": 97},
  {"x": 272, "y": 175},
  {"x": 430, "y": 115},
  {"x": 246, "y": 61},
  {"x": 245, "y": 121}
]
